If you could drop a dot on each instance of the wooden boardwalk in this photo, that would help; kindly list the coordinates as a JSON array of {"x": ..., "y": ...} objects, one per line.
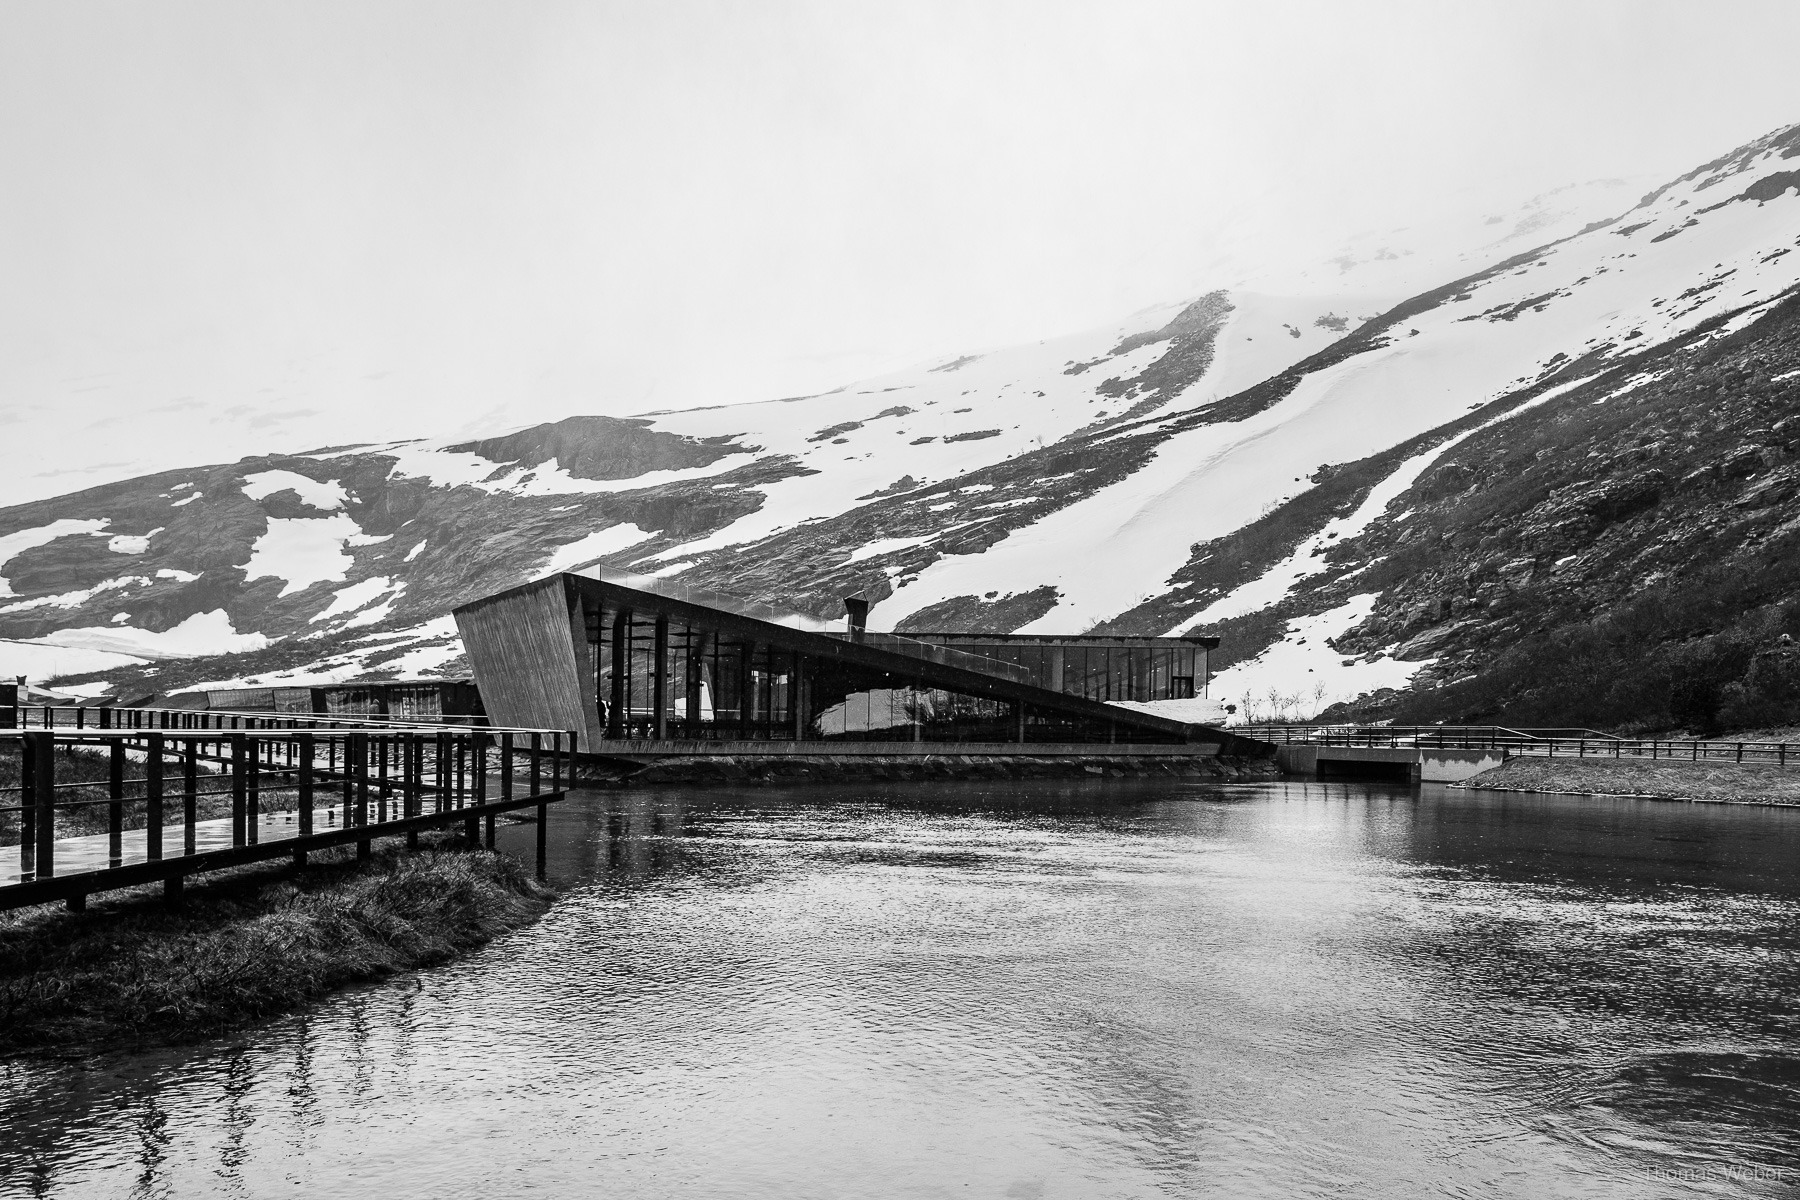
[{"x": 294, "y": 784}]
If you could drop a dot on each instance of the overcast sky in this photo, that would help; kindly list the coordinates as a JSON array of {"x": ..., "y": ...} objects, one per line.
[{"x": 243, "y": 227}]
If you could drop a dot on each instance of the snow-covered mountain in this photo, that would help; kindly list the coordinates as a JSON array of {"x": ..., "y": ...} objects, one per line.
[{"x": 1243, "y": 460}]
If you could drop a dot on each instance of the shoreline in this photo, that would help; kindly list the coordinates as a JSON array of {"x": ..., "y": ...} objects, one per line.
[
  {"x": 247, "y": 944},
  {"x": 1644, "y": 779}
]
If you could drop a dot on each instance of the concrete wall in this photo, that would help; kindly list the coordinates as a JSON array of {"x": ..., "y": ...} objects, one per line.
[
  {"x": 1454, "y": 766},
  {"x": 1429, "y": 766},
  {"x": 522, "y": 646}
]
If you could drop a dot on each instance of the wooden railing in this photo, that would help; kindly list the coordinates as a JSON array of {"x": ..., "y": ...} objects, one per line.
[
  {"x": 1542, "y": 743},
  {"x": 332, "y": 782}
]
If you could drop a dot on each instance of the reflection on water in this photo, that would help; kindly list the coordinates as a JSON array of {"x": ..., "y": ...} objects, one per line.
[{"x": 1028, "y": 990}]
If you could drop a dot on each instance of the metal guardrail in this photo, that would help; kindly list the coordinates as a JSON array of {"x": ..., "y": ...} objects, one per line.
[
  {"x": 1540, "y": 743},
  {"x": 336, "y": 783}
]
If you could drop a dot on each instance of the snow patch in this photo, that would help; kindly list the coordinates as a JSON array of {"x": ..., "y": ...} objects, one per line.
[
  {"x": 35, "y": 660},
  {"x": 126, "y": 543},
  {"x": 1303, "y": 670},
  {"x": 882, "y": 546},
  {"x": 327, "y": 496},
  {"x": 77, "y": 598},
  {"x": 200, "y": 635},
  {"x": 596, "y": 545},
  {"x": 303, "y": 551},
  {"x": 1309, "y": 557},
  {"x": 349, "y": 599}
]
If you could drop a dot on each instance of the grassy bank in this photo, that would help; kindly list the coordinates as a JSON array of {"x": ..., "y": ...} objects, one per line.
[
  {"x": 247, "y": 944},
  {"x": 1723, "y": 782}
]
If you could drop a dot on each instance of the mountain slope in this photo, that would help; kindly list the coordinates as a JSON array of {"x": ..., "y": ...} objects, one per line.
[{"x": 1241, "y": 462}]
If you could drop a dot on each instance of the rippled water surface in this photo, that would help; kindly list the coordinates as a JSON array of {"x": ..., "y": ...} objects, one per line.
[{"x": 1028, "y": 990}]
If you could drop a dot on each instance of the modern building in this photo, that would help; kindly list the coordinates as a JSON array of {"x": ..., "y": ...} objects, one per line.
[{"x": 650, "y": 660}]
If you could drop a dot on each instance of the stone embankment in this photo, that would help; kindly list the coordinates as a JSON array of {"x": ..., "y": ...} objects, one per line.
[
  {"x": 774, "y": 769},
  {"x": 1710, "y": 782}
]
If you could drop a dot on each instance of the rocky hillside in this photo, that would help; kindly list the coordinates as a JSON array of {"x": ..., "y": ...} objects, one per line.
[{"x": 1399, "y": 502}]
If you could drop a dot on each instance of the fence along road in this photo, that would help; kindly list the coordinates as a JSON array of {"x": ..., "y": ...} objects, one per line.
[
  {"x": 1539, "y": 743},
  {"x": 365, "y": 779}
]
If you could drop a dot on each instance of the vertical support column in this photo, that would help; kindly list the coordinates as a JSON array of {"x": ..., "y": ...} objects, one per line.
[
  {"x": 153, "y": 798},
  {"x": 797, "y": 695},
  {"x": 747, "y": 689},
  {"x": 115, "y": 807},
  {"x": 303, "y": 784},
  {"x": 918, "y": 710},
  {"x": 239, "y": 802},
  {"x": 1019, "y": 719},
  {"x": 537, "y": 768},
  {"x": 190, "y": 794},
  {"x": 696, "y": 657},
  {"x": 621, "y": 671},
  {"x": 659, "y": 687}
]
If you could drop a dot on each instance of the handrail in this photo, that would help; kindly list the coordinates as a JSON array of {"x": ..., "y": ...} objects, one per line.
[
  {"x": 101, "y": 718},
  {"x": 364, "y": 783}
]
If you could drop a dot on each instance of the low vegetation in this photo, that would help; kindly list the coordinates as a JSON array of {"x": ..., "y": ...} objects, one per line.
[
  {"x": 1720, "y": 782},
  {"x": 248, "y": 944}
]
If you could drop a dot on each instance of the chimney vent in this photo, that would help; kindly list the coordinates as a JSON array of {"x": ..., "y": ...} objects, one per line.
[{"x": 857, "y": 610}]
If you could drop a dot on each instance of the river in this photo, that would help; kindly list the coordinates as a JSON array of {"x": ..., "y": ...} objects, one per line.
[{"x": 1104, "y": 989}]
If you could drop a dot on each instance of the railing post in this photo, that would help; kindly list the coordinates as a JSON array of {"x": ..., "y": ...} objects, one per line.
[
  {"x": 506, "y": 785},
  {"x": 115, "y": 807},
  {"x": 537, "y": 748},
  {"x": 471, "y": 827},
  {"x": 358, "y": 770},
  {"x": 412, "y": 779},
  {"x": 190, "y": 794},
  {"x": 238, "y": 794},
  {"x": 37, "y": 804},
  {"x": 253, "y": 792},
  {"x": 381, "y": 780},
  {"x": 153, "y": 798},
  {"x": 303, "y": 787}
]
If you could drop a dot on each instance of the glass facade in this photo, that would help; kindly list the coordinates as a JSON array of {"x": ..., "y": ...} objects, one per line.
[
  {"x": 657, "y": 675},
  {"x": 1095, "y": 668}
]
